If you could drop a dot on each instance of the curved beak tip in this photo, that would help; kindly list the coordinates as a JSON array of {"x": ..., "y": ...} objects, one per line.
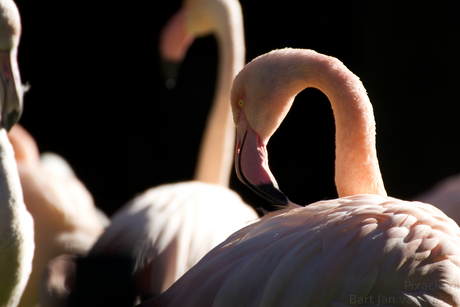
[
  {"x": 9, "y": 119},
  {"x": 267, "y": 190},
  {"x": 273, "y": 194},
  {"x": 169, "y": 70}
]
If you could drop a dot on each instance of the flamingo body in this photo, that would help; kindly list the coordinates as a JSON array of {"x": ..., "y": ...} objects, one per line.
[
  {"x": 65, "y": 217},
  {"x": 57, "y": 281},
  {"x": 167, "y": 229},
  {"x": 331, "y": 253},
  {"x": 16, "y": 224},
  {"x": 445, "y": 195},
  {"x": 199, "y": 217},
  {"x": 354, "y": 250}
]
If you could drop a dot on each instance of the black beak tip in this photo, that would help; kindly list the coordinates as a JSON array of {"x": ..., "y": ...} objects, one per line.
[
  {"x": 267, "y": 191},
  {"x": 170, "y": 71},
  {"x": 10, "y": 119},
  {"x": 272, "y": 194}
]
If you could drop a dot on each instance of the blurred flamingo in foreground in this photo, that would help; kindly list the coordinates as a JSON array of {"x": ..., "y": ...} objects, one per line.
[
  {"x": 65, "y": 217},
  {"x": 445, "y": 195},
  {"x": 359, "y": 249},
  {"x": 57, "y": 281},
  {"x": 167, "y": 229},
  {"x": 16, "y": 224}
]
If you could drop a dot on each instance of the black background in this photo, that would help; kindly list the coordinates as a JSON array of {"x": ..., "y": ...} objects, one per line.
[{"x": 98, "y": 99}]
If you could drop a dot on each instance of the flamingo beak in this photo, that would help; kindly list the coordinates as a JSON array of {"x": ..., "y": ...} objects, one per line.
[
  {"x": 251, "y": 163},
  {"x": 174, "y": 43},
  {"x": 11, "y": 90}
]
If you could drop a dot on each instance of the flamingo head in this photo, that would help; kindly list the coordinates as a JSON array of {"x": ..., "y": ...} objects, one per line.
[
  {"x": 261, "y": 97},
  {"x": 195, "y": 18},
  {"x": 174, "y": 43},
  {"x": 11, "y": 89}
]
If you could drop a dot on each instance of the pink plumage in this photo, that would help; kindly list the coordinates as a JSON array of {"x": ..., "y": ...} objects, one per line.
[
  {"x": 357, "y": 248},
  {"x": 363, "y": 248},
  {"x": 445, "y": 195}
]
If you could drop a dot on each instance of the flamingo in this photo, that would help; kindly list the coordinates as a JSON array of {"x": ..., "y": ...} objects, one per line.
[
  {"x": 57, "y": 281},
  {"x": 364, "y": 248},
  {"x": 65, "y": 217},
  {"x": 16, "y": 224},
  {"x": 224, "y": 19},
  {"x": 445, "y": 195},
  {"x": 167, "y": 229}
]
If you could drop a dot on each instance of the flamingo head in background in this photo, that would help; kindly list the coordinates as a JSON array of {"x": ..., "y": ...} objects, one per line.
[
  {"x": 11, "y": 89},
  {"x": 195, "y": 18}
]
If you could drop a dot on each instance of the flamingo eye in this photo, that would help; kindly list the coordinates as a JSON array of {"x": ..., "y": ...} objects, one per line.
[{"x": 241, "y": 103}]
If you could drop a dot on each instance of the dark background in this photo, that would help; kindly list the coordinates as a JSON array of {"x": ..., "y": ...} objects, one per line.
[{"x": 98, "y": 99}]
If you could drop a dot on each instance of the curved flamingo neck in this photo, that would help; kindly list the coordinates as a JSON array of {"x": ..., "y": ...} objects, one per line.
[
  {"x": 357, "y": 169},
  {"x": 16, "y": 228},
  {"x": 216, "y": 152}
]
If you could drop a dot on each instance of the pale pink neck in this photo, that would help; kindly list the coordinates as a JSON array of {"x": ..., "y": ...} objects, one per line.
[
  {"x": 357, "y": 168},
  {"x": 216, "y": 152}
]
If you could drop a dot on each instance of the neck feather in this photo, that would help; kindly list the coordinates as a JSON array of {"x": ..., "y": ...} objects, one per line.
[
  {"x": 16, "y": 229},
  {"x": 10, "y": 186},
  {"x": 357, "y": 168},
  {"x": 216, "y": 151}
]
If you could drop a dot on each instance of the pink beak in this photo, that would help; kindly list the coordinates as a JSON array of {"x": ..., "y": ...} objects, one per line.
[{"x": 251, "y": 163}]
